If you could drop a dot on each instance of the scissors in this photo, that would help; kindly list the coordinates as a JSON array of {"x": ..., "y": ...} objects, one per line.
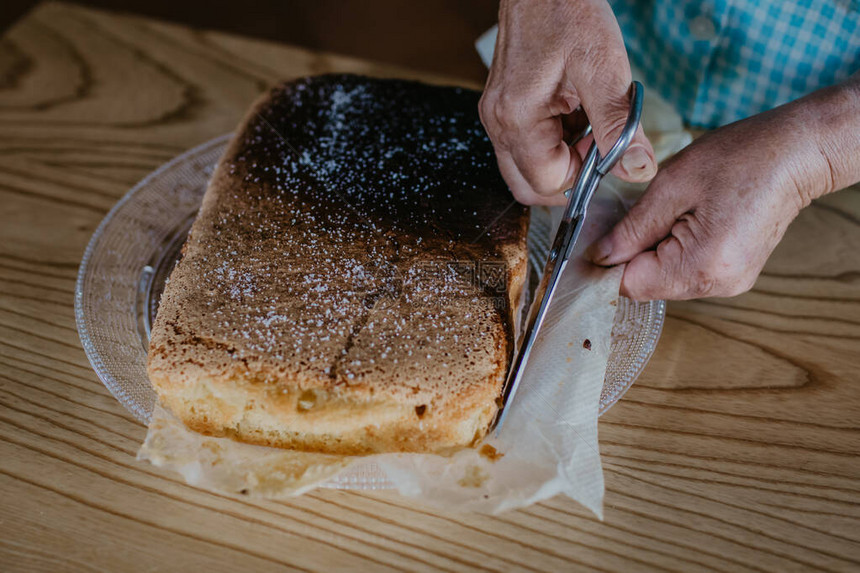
[{"x": 594, "y": 167}]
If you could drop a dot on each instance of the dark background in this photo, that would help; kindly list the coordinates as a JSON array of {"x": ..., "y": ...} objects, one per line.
[{"x": 432, "y": 35}]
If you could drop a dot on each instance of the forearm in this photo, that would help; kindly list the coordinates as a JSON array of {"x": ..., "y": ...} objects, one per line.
[{"x": 834, "y": 119}]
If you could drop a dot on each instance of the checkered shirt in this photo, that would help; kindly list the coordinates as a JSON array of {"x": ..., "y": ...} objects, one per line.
[{"x": 719, "y": 61}]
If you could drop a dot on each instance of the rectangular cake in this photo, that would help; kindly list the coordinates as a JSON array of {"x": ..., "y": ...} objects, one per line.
[{"x": 350, "y": 282}]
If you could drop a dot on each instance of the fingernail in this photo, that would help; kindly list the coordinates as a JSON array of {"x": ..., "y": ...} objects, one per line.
[
  {"x": 637, "y": 163},
  {"x": 600, "y": 251}
]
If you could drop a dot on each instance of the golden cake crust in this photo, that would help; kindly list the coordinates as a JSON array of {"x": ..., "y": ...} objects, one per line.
[{"x": 349, "y": 283}]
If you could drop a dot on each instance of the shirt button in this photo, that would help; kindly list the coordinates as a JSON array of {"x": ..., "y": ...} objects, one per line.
[{"x": 702, "y": 28}]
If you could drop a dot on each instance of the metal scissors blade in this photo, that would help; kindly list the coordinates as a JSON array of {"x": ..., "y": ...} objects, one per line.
[{"x": 594, "y": 167}]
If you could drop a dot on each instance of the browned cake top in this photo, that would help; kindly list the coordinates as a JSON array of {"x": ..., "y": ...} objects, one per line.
[{"x": 352, "y": 235}]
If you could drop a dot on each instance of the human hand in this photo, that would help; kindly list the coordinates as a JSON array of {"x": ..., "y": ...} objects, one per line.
[
  {"x": 718, "y": 209},
  {"x": 553, "y": 56}
]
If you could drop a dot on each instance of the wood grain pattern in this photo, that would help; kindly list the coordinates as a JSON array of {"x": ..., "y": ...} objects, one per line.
[{"x": 736, "y": 450}]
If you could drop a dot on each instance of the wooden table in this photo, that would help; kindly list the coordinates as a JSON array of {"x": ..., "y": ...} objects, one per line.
[{"x": 736, "y": 450}]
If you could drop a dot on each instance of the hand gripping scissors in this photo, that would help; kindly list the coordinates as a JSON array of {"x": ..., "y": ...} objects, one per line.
[{"x": 594, "y": 167}]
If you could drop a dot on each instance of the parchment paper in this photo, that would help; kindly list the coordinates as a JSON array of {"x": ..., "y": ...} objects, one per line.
[{"x": 547, "y": 446}]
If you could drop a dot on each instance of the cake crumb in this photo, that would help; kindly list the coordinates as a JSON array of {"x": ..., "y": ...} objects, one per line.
[{"x": 490, "y": 453}]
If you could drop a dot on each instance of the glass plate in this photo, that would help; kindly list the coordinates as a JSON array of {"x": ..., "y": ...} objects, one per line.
[{"x": 136, "y": 246}]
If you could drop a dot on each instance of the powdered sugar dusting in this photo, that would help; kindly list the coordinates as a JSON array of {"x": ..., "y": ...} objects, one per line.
[{"x": 333, "y": 240}]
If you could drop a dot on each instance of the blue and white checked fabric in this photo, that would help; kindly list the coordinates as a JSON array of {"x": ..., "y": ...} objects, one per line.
[{"x": 718, "y": 61}]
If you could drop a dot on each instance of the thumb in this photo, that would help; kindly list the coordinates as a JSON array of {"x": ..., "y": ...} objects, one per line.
[
  {"x": 608, "y": 116},
  {"x": 673, "y": 271},
  {"x": 654, "y": 275},
  {"x": 599, "y": 71},
  {"x": 648, "y": 222}
]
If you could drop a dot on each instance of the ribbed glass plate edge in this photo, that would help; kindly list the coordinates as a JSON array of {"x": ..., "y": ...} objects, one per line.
[{"x": 135, "y": 246}]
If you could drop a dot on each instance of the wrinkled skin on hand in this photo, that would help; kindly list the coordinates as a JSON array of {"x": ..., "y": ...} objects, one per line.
[
  {"x": 555, "y": 62},
  {"x": 715, "y": 212}
]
